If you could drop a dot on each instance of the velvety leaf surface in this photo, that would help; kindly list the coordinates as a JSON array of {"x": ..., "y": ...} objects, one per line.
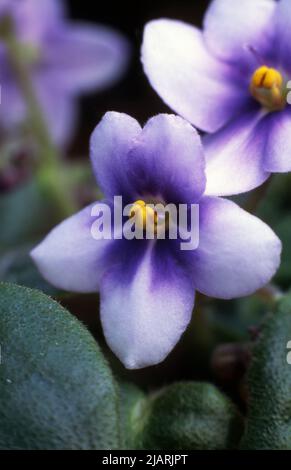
[
  {"x": 24, "y": 215},
  {"x": 16, "y": 266},
  {"x": 190, "y": 415},
  {"x": 132, "y": 403},
  {"x": 56, "y": 389},
  {"x": 269, "y": 380},
  {"x": 283, "y": 230}
]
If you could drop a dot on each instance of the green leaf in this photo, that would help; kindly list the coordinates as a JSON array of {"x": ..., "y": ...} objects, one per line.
[
  {"x": 269, "y": 383},
  {"x": 17, "y": 267},
  {"x": 24, "y": 215},
  {"x": 276, "y": 203},
  {"x": 132, "y": 402},
  {"x": 56, "y": 389},
  {"x": 190, "y": 415},
  {"x": 283, "y": 230},
  {"x": 230, "y": 320},
  {"x": 275, "y": 211}
]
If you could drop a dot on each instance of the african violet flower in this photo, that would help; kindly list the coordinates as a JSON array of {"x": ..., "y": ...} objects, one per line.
[
  {"x": 230, "y": 80},
  {"x": 147, "y": 287},
  {"x": 65, "y": 59}
]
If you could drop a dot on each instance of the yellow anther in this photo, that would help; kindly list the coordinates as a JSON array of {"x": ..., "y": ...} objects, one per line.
[
  {"x": 265, "y": 77},
  {"x": 267, "y": 88},
  {"x": 137, "y": 207},
  {"x": 140, "y": 203},
  {"x": 145, "y": 216}
]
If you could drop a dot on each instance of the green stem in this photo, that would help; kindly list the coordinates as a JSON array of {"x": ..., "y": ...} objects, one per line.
[{"x": 50, "y": 169}]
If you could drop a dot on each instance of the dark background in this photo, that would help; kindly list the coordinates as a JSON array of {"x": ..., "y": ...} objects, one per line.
[{"x": 133, "y": 93}]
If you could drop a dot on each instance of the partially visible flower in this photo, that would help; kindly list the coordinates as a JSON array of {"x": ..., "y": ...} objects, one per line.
[
  {"x": 65, "y": 59},
  {"x": 230, "y": 80},
  {"x": 147, "y": 287}
]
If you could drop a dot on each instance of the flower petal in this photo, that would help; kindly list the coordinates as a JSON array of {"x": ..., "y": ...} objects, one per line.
[
  {"x": 234, "y": 157},
  {"x": 237, "y": 254},
  {"x": 168, "y": 160},
  {"x": 165, "y": 158},
  {"x": 35, "y": 19},
  {"x": 144, "y": 317},
  {"x": 278, "y": 145},
  {"x": 110, "y": 143},
  {"x": 200, "y": 88},
  {"x": 83, "y": 58},
  {"x": 283, "y": 27},
  {"x": 69, "y": 257},
  {"x": 44, "y": 10},
  {"x": 5, "y": 7},
  {"x": 59, "y": 109},
  {"x": 230, "y": 30},
  {"x": 12, "y": 107}
]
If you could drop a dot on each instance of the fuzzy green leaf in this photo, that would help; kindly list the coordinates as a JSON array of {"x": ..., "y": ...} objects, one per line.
[
  {"x": 190, "y": 416},
  {"x": 269, "y": 382},
  {"x": 56, "y": 389},
  {"x": 132, "y": 402},
  {"x": 25, "y": 215}
]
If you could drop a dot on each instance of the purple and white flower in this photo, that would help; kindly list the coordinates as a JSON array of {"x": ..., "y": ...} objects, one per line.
[
  {"x": 147, "y": 287},
  {"x": 65, "y": 59},
  {"x": 230, "y": 80}
]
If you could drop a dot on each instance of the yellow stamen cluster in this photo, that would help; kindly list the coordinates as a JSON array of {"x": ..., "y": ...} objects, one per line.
[
  {"x": 267, "y": 87},
  {"x": 265, "y": 77},
  {"x": 145, "y": 216}
]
